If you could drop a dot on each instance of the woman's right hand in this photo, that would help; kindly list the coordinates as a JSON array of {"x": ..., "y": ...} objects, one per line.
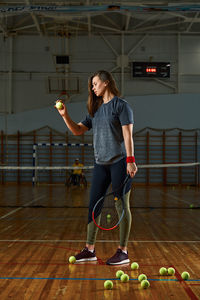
[{"x": 63, "y": 110}]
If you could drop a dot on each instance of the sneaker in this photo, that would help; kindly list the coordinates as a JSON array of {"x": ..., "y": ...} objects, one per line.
[
  {"x": 86, "y": 255},
  {"x": 118, "y": 258}
]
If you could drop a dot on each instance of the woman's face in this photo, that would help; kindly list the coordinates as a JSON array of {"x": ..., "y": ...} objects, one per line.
[{"x": 98, "y": 86}]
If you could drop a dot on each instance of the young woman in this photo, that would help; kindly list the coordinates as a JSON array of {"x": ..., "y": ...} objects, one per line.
[{"x": 111, "y": 119}]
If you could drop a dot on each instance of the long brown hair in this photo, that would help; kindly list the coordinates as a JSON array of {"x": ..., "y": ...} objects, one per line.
[{"x": 95, "y": 102}]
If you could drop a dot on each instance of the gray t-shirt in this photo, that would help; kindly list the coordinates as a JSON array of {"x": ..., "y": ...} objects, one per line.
[{"x": 107, "y": 130}]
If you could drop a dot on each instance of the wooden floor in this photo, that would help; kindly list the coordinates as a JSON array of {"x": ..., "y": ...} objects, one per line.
[{"x": 41, "y": 227}]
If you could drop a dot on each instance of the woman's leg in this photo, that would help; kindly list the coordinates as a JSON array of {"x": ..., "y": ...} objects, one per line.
[
  {"x": 125, "y": 225},
  {"x": 119, "y": 173},
  {"x": 100, "y": 182}
]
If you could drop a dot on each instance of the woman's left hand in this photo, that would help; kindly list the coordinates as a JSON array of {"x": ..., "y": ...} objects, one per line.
[{"x": 131, "y": 169}]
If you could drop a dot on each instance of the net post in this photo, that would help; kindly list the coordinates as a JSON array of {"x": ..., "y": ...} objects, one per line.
[
  {"x": 50, "y": 155},
  {"x": 66, "y": 155},
  {"x": 2, "y": 156},
  {"x": 164, "y": 157},
  {"x": 180, "y": 157},
  {"x": 196, "y": 159},
  {"x": 147, "y": 157},
  {"x": 18, "y": 156},
  {"x": 34, "y": 161}
]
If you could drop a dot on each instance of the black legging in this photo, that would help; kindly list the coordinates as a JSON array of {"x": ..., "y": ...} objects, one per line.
[{"x": 103, "y": 176}]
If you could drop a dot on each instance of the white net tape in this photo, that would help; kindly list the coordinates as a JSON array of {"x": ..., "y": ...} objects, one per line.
[{"x": 148, "y": 166}]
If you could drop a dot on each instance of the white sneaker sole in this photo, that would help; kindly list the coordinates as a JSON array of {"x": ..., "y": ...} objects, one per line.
[
  {"x": 126, "y": 261},
  {"x": 86, "y": 259}
]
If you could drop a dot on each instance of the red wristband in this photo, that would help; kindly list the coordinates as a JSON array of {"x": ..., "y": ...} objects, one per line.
[{"x": 130, "y": 159}]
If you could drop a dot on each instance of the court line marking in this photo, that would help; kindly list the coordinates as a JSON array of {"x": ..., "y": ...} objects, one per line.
[
  {"x": 175, "y": 197},
  {"x": 98, "y": 241},
  {"x": 15, "y": 210},
  {"x": 186, "y": 287}
]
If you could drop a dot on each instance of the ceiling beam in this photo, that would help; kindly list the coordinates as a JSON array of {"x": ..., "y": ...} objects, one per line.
[
  {"x": 157, "y": 26},
  {"x": 3, "y": 27},
  {"x": 35, "y": 19},
  {"x": 128, "y": 18}
]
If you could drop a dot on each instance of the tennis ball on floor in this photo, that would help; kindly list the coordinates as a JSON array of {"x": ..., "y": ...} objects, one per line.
[
  {"x": 119, "y": 273},
  {"x": 108, "y": 216},
  {"x": 142, "y": 277},
  {"x": 134, "y": 266},
  {"x": 145, "y": 284},
  {"x": 59, "y": 105},
  {"x": 108, "y": 285},
  {"x": 72, "y": 259},
  {"x": 163, "y": 271},
  {"x": 124, "y": 278},
  {"x": 185, "y": 275},
  {"x": 171, "y": 271}
]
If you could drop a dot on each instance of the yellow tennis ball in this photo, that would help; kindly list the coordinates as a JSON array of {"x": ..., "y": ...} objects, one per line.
[
  {"x": 171, "y": 271},
  {"x": 163, "y": 271},
  {"x": 134, "y": 266},
  {"x": 119, "y": 273},
  {"x": 124, "y": 278},
  {"x": 142, "y": 277},
  {"x": 72, "y": 259},
  {"x": 185, "y": 276},
  {"x": 145, "y": 284},
  {"x": 108, "y": 216},
  {"x": 108, "y": 285},
  {"x": 59, "y": 105}
]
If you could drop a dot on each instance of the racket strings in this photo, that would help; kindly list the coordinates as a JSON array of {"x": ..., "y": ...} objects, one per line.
[
  {"x": 111, "y": 208},
  {"x": 108, "y": 211}
]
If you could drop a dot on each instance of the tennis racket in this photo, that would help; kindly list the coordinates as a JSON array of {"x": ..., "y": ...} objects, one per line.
[{"x": 108, "y": 212}]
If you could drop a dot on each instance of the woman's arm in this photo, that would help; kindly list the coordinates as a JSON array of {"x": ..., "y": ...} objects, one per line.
[
  {"x": 75, "y": 128},
  {"x": 127, "y": 131}
]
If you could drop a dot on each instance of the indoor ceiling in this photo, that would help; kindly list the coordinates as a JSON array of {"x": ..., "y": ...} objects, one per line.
[{"x": 67, "y": 18}]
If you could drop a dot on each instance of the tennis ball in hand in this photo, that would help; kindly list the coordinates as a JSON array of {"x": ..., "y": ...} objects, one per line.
[
  {"x": 59, "y": 105},
  {"x": 124, "y": 278},
  {"x": 171, "y": 271},
  {"x": 185, "y": 275},
  {"x": 145, "y": 284},
  {"x": 108, "y": 285},
  {"x": 134, "y": 266},
  {"x": 119, "y": 273},
  {"x": 163, "y": 271},
  {"x": 142, "y": 277},
  {"x": 72, "y": 259}
]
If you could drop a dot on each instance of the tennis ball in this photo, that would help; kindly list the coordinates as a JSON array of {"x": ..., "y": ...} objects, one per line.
[
  {"x": 134, "y": 266},
  {"x": 124, "y": 278},
  {"x": 108, "y": 216},
  {"x": 185, "y": 275},
  {"x": 119, "y": 273},
  {"x": 163, "y": 271},
  {"x": 171, "y": 271},
  {"x": 145, "y": 284},
  {"x": 142, "y": 277},
  {"x": 191, "y": 205},
  {"x": 72, "y": 259},
  {"x": 108, "y": 285},
  {"x": 59, "y": 105}
]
